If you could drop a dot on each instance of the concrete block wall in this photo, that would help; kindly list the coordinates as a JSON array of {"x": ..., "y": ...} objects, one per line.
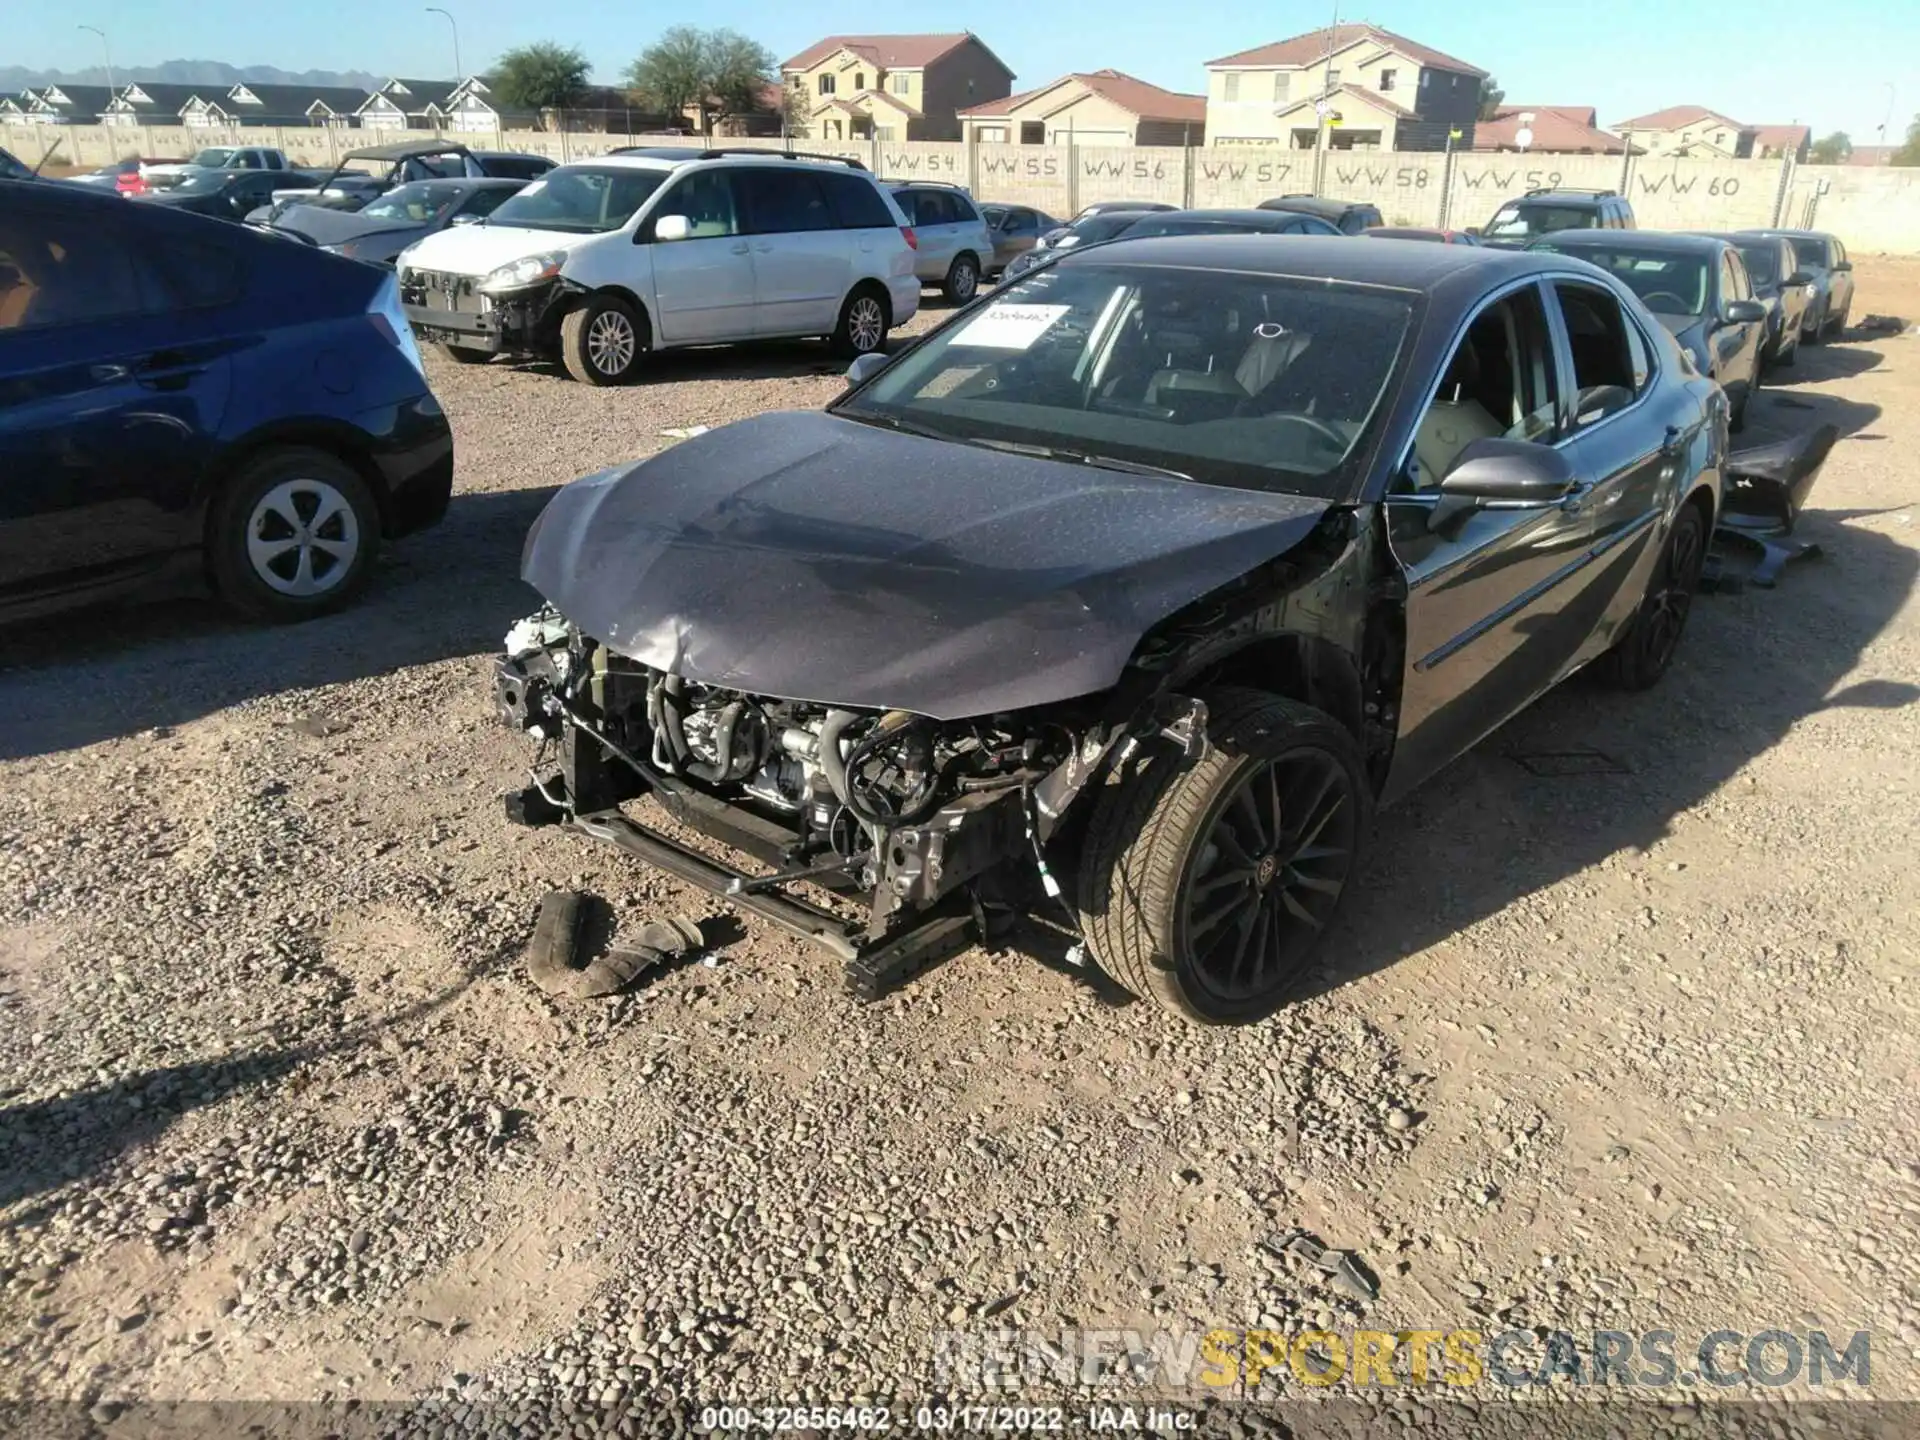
[{"x": 1874, "y": 210}]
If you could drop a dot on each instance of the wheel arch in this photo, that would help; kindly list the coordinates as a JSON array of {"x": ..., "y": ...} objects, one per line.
[
  {"x": 1308, "y": 668},
  {"x": 335, "y": 437},
  {"x": 869, "y": 285}
]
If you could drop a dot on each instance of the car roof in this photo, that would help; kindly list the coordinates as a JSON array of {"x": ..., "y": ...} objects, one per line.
[
  {"x": 1325, "y": 257},
  {"x": 1238, "y": 216},
  {"x": 1315, "y": 205},
  {"x": 1565, "y": 197},
  {"x": 400, "y": 150},
  {"x": 672, "y": 157},
  {"x": 1793, "y": 234},
  {"x": 1652, "y": 242}
]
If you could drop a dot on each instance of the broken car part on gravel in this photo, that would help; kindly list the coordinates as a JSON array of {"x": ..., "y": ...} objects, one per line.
[{"x": 553, "y": 952}]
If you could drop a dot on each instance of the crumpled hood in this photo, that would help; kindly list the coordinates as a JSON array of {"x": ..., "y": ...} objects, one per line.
[{"x": 808, "y": 557}]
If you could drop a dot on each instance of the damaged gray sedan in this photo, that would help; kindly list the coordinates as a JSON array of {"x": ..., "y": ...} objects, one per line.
[{"x": 1120, "y": 601}]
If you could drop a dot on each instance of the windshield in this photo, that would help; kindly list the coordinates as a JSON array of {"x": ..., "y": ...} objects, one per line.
[
  {"x": 581, "y": 199},
  {"x": 1811, "y": 252},
  {"x": 1260, "y": 382},
  {"x": 1666, "y": 284},
  {"x": 1763, "y": 262},
  {"x": 417, "y": 204},
  {"x": 1514, "y": 221},
  {"x": 212, "y": 159},
  {"x": 1104, "y": 227}
]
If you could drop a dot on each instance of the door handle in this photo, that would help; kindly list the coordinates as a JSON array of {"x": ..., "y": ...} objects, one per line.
[
  {"x": 1577, "y": 497},
  {"x": 107, "y": 374},
  {"x": 765, "y": 248},
  {"x": 742, "y": 248}
]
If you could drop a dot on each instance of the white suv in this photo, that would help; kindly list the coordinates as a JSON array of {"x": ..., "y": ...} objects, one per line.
[{"x": 601, "y": 261}]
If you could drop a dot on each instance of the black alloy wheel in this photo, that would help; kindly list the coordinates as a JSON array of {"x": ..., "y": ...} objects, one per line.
[
  {"x": 1653, "y": 637},
  {"x": 1269, "y": 874}
]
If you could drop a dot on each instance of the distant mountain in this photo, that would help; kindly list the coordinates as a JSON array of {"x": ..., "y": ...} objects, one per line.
[{"x": 15, "y": 78}]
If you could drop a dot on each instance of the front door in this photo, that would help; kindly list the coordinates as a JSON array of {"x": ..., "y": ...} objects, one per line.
[
  {"x": 802, "y": 259},
  {"x": 1492, "y": 605},
  {"x": 109, "y": 396},
  {"x": 703, "y": 285}
]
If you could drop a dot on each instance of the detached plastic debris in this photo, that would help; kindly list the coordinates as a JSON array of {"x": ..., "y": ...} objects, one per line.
[
  {"x": 1882, "y": 324},
  {"x": 553, "y": 952},
  {"x": 685, "y": 432},
  {"x": 1342, "y": 1268}
]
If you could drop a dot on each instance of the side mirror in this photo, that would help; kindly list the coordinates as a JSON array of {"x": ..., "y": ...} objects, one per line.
[
  {"x": 1746, "y": 312},
  {"x": 1843, "y": 267},
  {"x": 1501, "y": 474},
  {"x": 465, "y": 220},
  {"x": 1799, "y": 277},
  {"x": 669, "y": 228},
  {"x": 865, "y": 367}
]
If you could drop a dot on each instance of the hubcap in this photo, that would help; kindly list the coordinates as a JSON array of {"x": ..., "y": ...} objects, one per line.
[
  {"x": 964, "y": 279},
  {"x": 610, "y": 342},
  {"x": 865, "y": 323},
  {"x": 1670, "y": 603},
  {"x": 302, "y": 537},
  {"x": 1265, "y": 881}
]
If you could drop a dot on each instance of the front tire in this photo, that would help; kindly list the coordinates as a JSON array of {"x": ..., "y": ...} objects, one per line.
[
  {"x": 865, "y": 319},
  {"x": 1837, "y": 324},
  {"x": 293, "y": 536},
  {"x": 1207, "y": 886},
  {"x": 1646, "y": 651},
  {"x": 963, "y": 280},
  {"x": 602, "y": 341}
]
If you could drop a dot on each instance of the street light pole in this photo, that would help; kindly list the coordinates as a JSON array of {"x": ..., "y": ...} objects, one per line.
[
  {"x": 1887, "y": 119},
  {"x": 108, "y": 51},
  {"x": 458, "y": 76}
]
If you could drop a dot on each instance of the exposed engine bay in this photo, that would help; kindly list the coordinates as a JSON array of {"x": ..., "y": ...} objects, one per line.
[{"x": 899, "y": 810}]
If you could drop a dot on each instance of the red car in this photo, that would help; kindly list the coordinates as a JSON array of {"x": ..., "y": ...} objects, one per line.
[{"x": 124, "y": 175}]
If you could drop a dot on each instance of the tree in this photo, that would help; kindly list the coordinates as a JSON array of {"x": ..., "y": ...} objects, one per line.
[
  {"x": 1909, "y": 153},
  {"x": 539, "y": 77},
  {"x": 1491, "y": 97},
  {"x": 1833, "y": 150},
  {"x": 714, "y": 73}
]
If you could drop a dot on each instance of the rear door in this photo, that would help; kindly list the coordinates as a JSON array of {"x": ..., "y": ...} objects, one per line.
[
  {"x": 113, "y": 384},
  {"x": 802, "y": 259},
  {"x": 936, "y": 226},
  {"x": 1496, "y": 604},
  {"x": 1628, "y": 434},
  {"x": 704, "y": 286}
]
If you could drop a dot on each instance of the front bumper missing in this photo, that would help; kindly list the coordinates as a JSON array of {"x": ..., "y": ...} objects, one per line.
[
  {"x": 450, "y": 311},
  {"x": 873, "y": 966}
]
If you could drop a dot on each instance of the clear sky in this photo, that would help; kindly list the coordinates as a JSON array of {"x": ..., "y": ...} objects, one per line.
[{"x": 1757, "y": 61}]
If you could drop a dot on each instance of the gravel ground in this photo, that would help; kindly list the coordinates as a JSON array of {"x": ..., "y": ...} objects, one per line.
[{"x": 1624, "y": 1037}]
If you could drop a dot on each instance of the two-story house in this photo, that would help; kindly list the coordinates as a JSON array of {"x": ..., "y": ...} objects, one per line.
[
  {"x": 65, "y": 104},
  {"x": 1379, "y": 91},
  {"x": 1101, "y": 107},
  {"x": 1773, "y": 142},
  {"x": 1691, "y": 131},
  {"x": 430, "y": 105},
  {"x": 892, "y": 87},
  {"x": 1548, "y": 130}
]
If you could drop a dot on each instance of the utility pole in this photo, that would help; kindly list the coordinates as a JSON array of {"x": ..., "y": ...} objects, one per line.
[
  {"x": 1323, "y": 107},
  {"x": 107, "y": 50},
  {"x": 458, "y": 74}
]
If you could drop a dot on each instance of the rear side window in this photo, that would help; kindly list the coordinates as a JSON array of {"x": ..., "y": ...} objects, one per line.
[
  {"x": 1604, "y": 365},
  {"x": 928, "y": 207},
  {"x": 58, "y": 270},
  {"x": 963, "y": 209},
  {"x": 192, "y": 276},
  {"x": 856, "y": 203},
  {"x": 784, "y": 202}
]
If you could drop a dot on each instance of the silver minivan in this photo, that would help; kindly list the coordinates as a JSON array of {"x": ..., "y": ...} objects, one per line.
[
  {"x": 955, "y": 247},
  {"x": 602, "y": 261}
]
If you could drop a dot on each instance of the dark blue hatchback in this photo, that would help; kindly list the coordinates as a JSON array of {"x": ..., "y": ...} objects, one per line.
[{"x": 187, "y": 403}]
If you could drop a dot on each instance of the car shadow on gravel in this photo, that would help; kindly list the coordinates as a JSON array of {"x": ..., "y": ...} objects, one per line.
[
  {"x": 99, "y": 674},
  {"x": 1587, "y": 772}
]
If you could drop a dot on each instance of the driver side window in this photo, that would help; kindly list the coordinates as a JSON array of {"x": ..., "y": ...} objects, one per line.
[
  {"x": 706, "y": 199},
  {"x": 1499, "y": 382}
]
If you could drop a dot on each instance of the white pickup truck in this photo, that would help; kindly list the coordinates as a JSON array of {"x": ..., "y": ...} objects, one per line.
[{"x": 216, "y": 157}]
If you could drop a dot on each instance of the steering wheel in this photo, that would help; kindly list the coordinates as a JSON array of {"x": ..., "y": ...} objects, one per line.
[
  {"x": 1317, "y": 425},
  {"x": 1679, "y": 305}
]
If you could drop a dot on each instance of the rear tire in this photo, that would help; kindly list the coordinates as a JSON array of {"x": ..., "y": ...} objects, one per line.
[
  {"x": 1646, "y": 651},
  {"x": 1792, "y": 351},
  {"x": 865, "y": 319},
  {"x": 293, "y": 535},
  {"x": 1207, "y": 885},
  {"x": 963, "y": 280},
  {"x": 461, "y": 355},
  {"x": 602, "y": 341}
]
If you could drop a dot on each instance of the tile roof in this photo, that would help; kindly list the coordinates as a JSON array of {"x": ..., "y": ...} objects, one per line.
[
  {"x": 891, "y": 52},
  {"x": 1557, "y": 129},
  {"x": 1315, "y": 45},
  {"x": 1675, "y": 116},
  {"x": 87, "y": 100},
  {"x": 870, "y": 95},
  {"x": 1360, "y": 93},
  {"x": 1872, "y": 155},
  {"x": 1136, "y": 96},
  {"x": 1787, "y": 139}
]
